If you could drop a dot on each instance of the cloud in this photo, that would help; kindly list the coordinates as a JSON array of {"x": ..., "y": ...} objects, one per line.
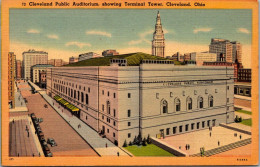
[
  {"x": 53, "y": 36},
  {"x": 243, "y": 30},
  {"x": 78, "y": 44},
  {"x": 33, "y": 31},
  {"x": 195, "y": 31},
  {"x": 103, "y": 33},
  {"x": 142, "y": 38}
]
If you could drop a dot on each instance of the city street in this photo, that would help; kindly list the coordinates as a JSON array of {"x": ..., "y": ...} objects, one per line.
[{"x": 69, "y": 143}]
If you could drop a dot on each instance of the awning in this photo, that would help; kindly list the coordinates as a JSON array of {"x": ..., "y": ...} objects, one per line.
[{"x": 65, "y": 103}]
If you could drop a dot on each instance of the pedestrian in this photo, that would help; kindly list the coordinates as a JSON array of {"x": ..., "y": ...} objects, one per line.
[
  {"x": 218, "y": 143},
  {"x": 118, "y": 154},
  {"x": 240, "y": 137},
  {"x": 106, "y": 145},
  {"x": 210, "y": 134}
]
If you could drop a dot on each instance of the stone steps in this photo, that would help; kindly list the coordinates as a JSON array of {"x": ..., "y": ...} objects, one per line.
[{"x": 224, "y": 148}]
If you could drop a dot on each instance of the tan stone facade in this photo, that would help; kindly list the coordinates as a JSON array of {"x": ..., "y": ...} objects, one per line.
[{"x": 155, "y": 99}]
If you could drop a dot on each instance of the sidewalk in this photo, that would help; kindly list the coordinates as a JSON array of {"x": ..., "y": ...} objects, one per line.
[
  {"x": 88, "y": 134},
  {"x": 20, "y": 105}
]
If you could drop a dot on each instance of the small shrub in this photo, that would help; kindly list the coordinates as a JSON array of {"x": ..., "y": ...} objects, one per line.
[
  {"x": 149, "y": 140},
  {"x": 144, "y": 142},
  {"x": 130, "y": 143},
  {"x": 135, "y": 140},
  {"x": 125, "y": 144},
  {"x": 240, "y": 119}
]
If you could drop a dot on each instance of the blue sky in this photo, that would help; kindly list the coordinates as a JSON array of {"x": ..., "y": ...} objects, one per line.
[{"x": 71, "y": 32}]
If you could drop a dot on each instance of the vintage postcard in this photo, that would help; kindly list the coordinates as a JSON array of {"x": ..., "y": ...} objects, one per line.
[{"x": 125, "y": 82}]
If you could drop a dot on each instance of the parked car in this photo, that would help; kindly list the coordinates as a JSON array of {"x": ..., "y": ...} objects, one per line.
[
  {"x": 48, "y": 154},
  {"x": 33, "y": 116},
  {"x": 51, "y": 142},
  {"x": 40, "y": 120}
]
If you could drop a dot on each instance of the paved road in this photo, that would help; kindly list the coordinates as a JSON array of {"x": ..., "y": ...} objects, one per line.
[
  {"x": 53, "y": 126},
  {"x": 90, "y": 135}
]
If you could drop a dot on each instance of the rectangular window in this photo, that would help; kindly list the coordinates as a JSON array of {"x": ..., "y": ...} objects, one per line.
[
  {"x": 183, "y": 93},
  {"x": 206, "y": 91},
  {"x": 129, "y": 135},
  {"x": 186, "y": 127},
  {"x": 180, "y": 129},
  {"x": 167, "y": 131},
  {"x": 103, "y": 107},
  {"x": 88, "y": 90},
  {"x": 174, "y": 130},
  {"x": 227, "y": 87},
  {"x": 198, "y": 125},
  {"x": 103, "y": 92},
  {"x": 171, "y": 94},
  {"x": 192, "y": 126},
  {"x": 129, "y": 123},
  {"x": 129, "y": 113},
  {"x": 157, "y": 95},
  {"x": 114, "y": 95},
  {"x": 195, "y": 92},
  {"x": 114, "y": 112},
  {"x": 114, "y": 135},
  {"x": 203, "y": 124},
  {"x": 208, "y": 123},
  {"x": 129, "y": 95},
  {"x": 227, "y": 100},
  {"x": 114, "y": 123},
  {"x": 107, "y": 130}
]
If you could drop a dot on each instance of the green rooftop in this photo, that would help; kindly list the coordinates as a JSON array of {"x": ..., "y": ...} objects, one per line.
[{"x": 133, "y": 59}]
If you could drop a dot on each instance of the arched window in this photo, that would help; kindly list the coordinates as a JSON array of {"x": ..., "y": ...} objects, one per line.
[
  {"x": 200, "y": 102},
  {"x": 86, "y": 98},
  {"x": 210, "y": 101},
  {"x": 108, "y": 107},
  {"x": 78, "y": 95},
  {"x": 189, "y": 103},
  {"x": 164, "y": 106},
  {"x": 177, "y": 104}
]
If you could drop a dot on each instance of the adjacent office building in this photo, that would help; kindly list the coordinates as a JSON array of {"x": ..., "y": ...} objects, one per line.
[
  {"x": 11, "y": 79},
  {"x": 121, "y": 102},
  {"x": 109, "y": 53},
  {"x": 31, "y": 58},
  {"x": 73, "y": 60},
  {"x": 57, "y": 62},
  {"x": 36, "y": 70},
  {"x": 88, "y": 55},
  {"x": 226, "y": 51},
  {"x": 18, "y": 69},
  {"x": 201, "y": 57},
  {"x": 158, "y": 42}
]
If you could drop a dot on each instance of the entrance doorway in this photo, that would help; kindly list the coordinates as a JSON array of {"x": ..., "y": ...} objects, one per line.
[
  {"x": 213, "y": 122},
  {"x": 162, "y": 132}
]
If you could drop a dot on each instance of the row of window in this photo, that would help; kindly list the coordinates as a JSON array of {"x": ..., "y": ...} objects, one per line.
[
  {"x": 177, "y": 103},
  {"x": 188, "y": 127},
  {"x": 71, "y": 84},
  {"x": 73, "y": 93}
]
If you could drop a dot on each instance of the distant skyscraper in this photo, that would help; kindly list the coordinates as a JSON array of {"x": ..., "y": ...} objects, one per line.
[
  {"x": 31, "y": 58},
  {"x": 226, "y": 51},
  {"x": 11, "y": 77},
  {"x": 18, "y": 69},
  {"x": 158, "y": 43}
]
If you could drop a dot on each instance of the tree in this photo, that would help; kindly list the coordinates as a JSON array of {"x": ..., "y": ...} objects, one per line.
[
  {"x": 144, "y": 142},
  {"x": 135, "y": 140},
  {"x": 125, "y": 144},
  {"x": 149, "y": 140}
]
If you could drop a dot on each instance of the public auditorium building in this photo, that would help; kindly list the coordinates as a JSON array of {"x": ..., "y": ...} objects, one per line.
[{"x": 153, "y": 97}]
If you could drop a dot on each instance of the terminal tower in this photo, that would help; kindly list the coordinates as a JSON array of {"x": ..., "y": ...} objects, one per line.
[{"x": 158, "y": 44}]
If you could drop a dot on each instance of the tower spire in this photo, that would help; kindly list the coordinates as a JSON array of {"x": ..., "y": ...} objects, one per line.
[{"x": 158, "y": 45}]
